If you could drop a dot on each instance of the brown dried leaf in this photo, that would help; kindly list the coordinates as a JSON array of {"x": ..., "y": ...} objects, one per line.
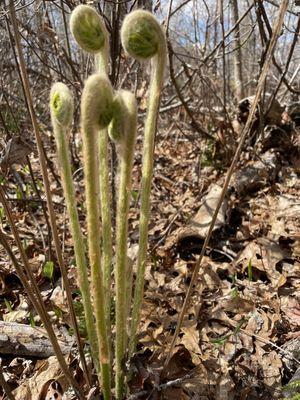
[
  {"x": 264, "y": 255},
  {"x": 191, "y": 340},
  {"x": 46, "y": 372}
]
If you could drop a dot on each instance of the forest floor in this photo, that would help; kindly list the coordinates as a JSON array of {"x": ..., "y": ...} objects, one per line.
[{"x": 240, "y": 338}]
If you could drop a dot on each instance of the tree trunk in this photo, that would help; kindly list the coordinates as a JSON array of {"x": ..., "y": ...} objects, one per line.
[{"x": 237, "y": 54}]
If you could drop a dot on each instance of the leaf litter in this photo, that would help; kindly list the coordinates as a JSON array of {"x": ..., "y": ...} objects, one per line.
[{"x": 240, "y": 337}]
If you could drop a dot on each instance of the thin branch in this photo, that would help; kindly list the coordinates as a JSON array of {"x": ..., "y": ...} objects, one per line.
[
  {"x": 277, "y": 5},
  {"x": 194, "y": 124},
  {"x": 291, "y": 52},
  {"x": 159, "y": 388},
  {"x": 179, "y": 7}
]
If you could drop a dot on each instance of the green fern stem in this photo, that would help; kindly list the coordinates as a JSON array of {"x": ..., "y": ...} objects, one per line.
[
  {"x": 94, "y": 240},
  {"x": 158, "y": 66},
  {"x": 106, "y": 224},
  {"x": 83, "y": 280},
  {"x": 61, "y": 105},
  {"x": 126, "y": 133}
]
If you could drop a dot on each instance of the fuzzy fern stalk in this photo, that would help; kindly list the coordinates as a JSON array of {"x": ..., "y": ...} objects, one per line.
[
  {"x": 129, "y": 282},
  {"x": 89, "y": 31},
  {"x": 143, "y": 38},
  {"x": 122, "y": 130},
  {"x": 96, "y": 113},
  {"x": 105, "y": 201},
  {"x": 61, "y": 106}
]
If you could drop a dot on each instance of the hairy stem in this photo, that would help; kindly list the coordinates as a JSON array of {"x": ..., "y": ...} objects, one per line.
[
  {"x": 90, "y": 143},
  {"x": 121, "y": 268},
  {"x": 83, "y": 280},
  {"x": 158, "y": 66},
  {"x": 101, "y": 61},
  {"x": 106, "y": 224}
]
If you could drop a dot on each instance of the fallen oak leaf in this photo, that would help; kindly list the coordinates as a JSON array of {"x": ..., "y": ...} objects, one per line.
[
  {"x": 46, "y": 371},
  {"x": 191, "y": 340}
]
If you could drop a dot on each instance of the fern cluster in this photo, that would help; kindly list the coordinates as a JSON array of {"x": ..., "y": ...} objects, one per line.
[{"x": 106, "y": 111}]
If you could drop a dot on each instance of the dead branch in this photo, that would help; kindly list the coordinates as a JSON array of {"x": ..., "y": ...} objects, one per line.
[{"x": 26, "y": 341}]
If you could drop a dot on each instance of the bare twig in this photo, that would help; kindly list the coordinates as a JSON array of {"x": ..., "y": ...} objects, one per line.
[
  {"x": 162, "y": 386},
  {"x": 291, "y": 52},
  {"x": 275, "y": 4},
  {"x": 266, "y": 341},
  {"x": 194, "y": 124}
]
